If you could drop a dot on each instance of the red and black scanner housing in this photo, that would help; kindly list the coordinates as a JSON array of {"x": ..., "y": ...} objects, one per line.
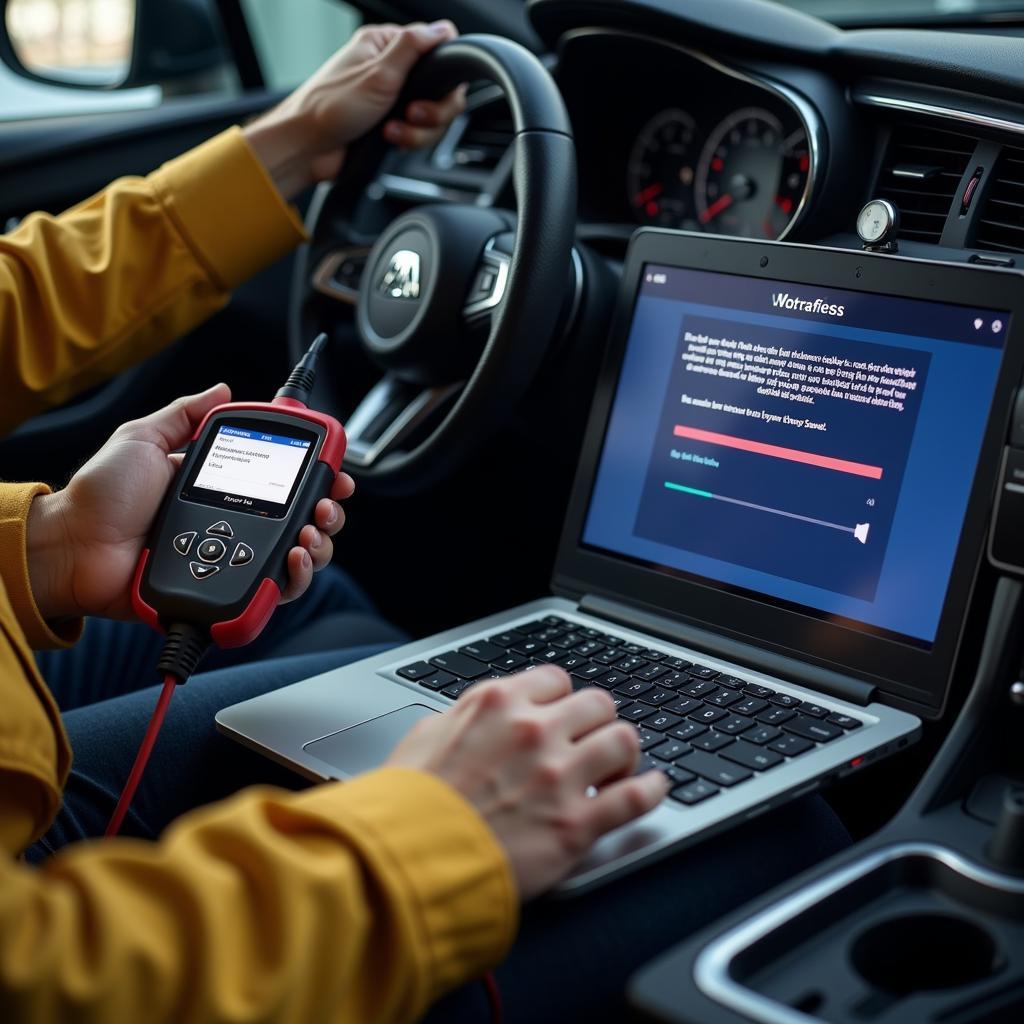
[{"x": 235, "y": 601}]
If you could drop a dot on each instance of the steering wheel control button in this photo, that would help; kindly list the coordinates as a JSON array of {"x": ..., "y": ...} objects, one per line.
[
  {"x": 212, "y": 550},
  {"x": 242, "y": 555},
  {"x": 203, "y": 572},
  {"x": 183, "y": 542},
  {"x": 221, "y": 529}
]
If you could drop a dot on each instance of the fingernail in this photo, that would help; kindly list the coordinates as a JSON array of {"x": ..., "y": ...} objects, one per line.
[
  {"x": 393, "y": 131},
  {"x": 439, "y": 28},
  {"x": 417, "y": 114},
  {"x": 333, "y": 517},
  {"x": 307, "y": 562},
  {"x": 317, "y": 540}
]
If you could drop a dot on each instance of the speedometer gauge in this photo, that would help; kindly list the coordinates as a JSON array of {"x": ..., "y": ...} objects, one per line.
[
  {"x": 751, "y": 176},
  {"x": 661, "y": 171}
]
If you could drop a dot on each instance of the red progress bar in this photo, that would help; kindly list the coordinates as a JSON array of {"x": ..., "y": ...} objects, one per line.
[{"x": 759, "y": 448}]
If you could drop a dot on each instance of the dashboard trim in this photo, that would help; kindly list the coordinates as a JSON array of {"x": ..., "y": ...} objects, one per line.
[
  {"x": 803, "y": 109},
  {"x": 871, "y": 99}
]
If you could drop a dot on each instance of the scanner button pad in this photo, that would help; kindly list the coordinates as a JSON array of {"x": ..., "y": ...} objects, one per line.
[
  {"x": 242, "y": 555},
  {"x": 183, "y": 542},
  {"x": 211, "y": 550},
  {"x": 221, "y": 529},
  {"x": 201, "y": 571}
]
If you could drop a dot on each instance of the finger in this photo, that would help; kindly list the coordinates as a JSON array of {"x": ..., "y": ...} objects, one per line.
[
  {"x": 413, "y": 41},
  {"x": 176, "y": 459},
  {"x": 329, "y": 516},
  {"x": 343, "y": 487},
  {"x": 319, "y": 546},
  {"x": 583, "y": 712},
  {"x": 405, "y": 136},
  {"x": 436, "y": 113},
  {"x": 619, "y": 803},
  {"x": 607, "y": 753},
  {"x": 543, "y": 684},
  {"x": 300, "y": 574},
  {"x": 174, "y": 424}
]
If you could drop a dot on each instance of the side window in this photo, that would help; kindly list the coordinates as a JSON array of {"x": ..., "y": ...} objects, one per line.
[{"x": 293, "y": 39}]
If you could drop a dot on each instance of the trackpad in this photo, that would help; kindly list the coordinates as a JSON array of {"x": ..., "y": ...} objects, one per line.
[{"x": 365, "y": 746}]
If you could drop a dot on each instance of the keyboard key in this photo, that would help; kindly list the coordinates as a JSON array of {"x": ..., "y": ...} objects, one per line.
[
  {"x": 714, "y": 769},
  {"x": 814, "y": 710},
  {"x": 456, "y": 689},
  {"x": 785, "y": 700},
  {"x": 635, "y": 712},
  {"x": 756, "y": 690},
  {"x": 620, "y": 703},
  {"x": 634, "y": 688},
  {"x": 722, "y": 698},
  {"x": 670, "y": 750},
  {"x": 510, "y": 662},
  {"x": 700, "y": 688},
  {"x": 662, "y": 721},
  {"x": 607, "y": 657},
  {"x": 683, "y": 706},
  {"x": 533, "y": 627},
  {"x": 706, "y": 714},
  {"x": 651, "y": 672},
  {"x": 750, "y": 706},
  {"x": 731, "y": 682},
  {"x": 734, "y": 725},
  {"x": 693, "y": 792},
  {"x": 590, "y": 673},
  {"x": 762, "y": 734},
  {"x": 588, "y": 648},
  {"x": 775, "y": 716},
  {"x": 674, "y": 679},
  {"x": 459, "y": 664},
  {"x": 483, "y": 650},
  {"x": 791, "y": 746},
  {"x": 610, "y": 680},
  {"x": 570, "y": 662},
  {"x": 677, "y": 664},
  {"x": 712, "y": 741},
  {"x": 508, "y": 638},
  {"x": 548, "y": 655},
  {"x": 438, "y": 681},
  {"x": 750, "y": 756},
  {"x": 632, "y": 648},
  {"x": 529, "y": 646},
  {"x": 680, "y": 776},
  {"x": 590, "y": 633},
  {"x": 545, "y": 636},
  {"x": 846, "y": 722},
  {"x": 567, "y": 641},
  {"x": 812, "y": 729},
  {"x": 417, "y": 670},
  {"x": 644, "y": 763},
  {"x": 702, "y": 672},
  {"x": 651, "y": 655},
  {"x": 611, "y": 641},
  {"x": 658, "y": 697},
  {"x": 687, "y": 730},
  {"x": 649, "y": 739},
  {"x": 630, "y": 664}
]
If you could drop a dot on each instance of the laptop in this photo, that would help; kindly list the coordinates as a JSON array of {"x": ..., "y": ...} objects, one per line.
[{"x": 775, "y": 528}]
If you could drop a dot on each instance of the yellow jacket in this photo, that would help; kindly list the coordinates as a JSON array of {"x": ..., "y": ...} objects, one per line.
[{"x": 355, "y": 902}]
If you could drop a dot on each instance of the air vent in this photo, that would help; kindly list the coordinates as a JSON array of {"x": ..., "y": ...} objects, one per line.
[
  {"x": 479, "y": 140},
  {"x": 921, "y": 175},
  {"x": 1001, "y": 226}
]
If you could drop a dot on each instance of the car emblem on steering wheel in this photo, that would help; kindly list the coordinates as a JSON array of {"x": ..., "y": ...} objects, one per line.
[{"x": 402, "y": 278}]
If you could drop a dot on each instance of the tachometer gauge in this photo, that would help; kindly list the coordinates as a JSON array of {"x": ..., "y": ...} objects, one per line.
[
  {"x": 661, "y": 171},
  {"x": 751, "y": 176}
]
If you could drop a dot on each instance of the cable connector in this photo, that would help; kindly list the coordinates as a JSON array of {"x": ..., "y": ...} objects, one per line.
[
  {"x": 184, "y": 647},
  {"x": 299, "y": 385}
]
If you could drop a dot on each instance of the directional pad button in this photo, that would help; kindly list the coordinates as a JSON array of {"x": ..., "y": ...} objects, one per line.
[
  {"x": 242, "y": 555},
  {"x": 203, "y": 572},
  {"x": 221, "y": 529},
  {"x": 183, "y": 542},
  {"x": 211, "y": 550}
]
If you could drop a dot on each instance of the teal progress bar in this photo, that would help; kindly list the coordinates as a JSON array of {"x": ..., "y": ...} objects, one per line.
[{"x": 860, "y": 531}]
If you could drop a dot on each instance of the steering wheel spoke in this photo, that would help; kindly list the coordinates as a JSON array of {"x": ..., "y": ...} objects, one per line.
[
  {"x": 337, "y": 275},
  {"x": 387, "y": 416}
]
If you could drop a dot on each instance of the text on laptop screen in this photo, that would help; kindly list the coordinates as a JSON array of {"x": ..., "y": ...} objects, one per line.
[{"x": 810, "y": 445}]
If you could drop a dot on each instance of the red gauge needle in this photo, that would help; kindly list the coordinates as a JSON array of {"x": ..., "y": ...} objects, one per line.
[
  {"x": 720, "y": 204},
  {"x": 647, "y": 194}
]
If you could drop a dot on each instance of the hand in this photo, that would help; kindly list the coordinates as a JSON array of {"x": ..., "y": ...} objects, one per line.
[
  {"x": 525, "y": 751},
  {"x": 84, "y": 541},
  {"x": 303, "y": 139}
]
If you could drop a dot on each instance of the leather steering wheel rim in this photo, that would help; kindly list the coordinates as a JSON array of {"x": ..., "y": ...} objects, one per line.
[{"x": 522, "y": 326}]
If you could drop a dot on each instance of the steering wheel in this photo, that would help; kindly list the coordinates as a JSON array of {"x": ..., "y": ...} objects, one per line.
[{"x": 457, "y": 304}]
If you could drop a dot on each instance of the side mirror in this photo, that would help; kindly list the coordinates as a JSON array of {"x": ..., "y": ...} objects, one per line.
[{"x": 109, "y": 44}]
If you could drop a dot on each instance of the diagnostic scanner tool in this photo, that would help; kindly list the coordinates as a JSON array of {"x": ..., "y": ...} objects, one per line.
[{"x": 216, "y": 558}]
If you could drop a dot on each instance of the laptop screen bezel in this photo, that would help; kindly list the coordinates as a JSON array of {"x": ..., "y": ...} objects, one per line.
[{"x": 909, "y": 676}]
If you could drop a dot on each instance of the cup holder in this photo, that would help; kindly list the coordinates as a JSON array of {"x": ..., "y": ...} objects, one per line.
[{"x": 925, "y": 952}]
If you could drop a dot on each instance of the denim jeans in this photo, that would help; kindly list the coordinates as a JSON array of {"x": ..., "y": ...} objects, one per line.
[{"x": 571, "y": 959}]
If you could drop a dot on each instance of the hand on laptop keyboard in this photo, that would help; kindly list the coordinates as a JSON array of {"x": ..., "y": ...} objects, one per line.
[{"x": 525, "y": 750}]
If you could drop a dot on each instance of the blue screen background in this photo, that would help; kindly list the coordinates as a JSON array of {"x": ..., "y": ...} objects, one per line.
[{"x": 937, "y": 480}]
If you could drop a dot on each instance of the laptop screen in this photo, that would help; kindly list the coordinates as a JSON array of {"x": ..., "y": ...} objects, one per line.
[{"x": 812, "y": 446}]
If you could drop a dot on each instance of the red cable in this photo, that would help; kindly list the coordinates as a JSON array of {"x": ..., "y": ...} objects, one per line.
[
  {"x": 145, "y": 749},
  {"x": 493, "y": 997}
]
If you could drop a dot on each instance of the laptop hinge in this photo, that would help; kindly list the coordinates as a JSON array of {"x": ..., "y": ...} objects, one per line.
[{"x": 832, "y": 683}]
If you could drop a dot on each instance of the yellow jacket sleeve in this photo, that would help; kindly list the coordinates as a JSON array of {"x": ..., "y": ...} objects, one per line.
[{"x": 102, "y": 286}]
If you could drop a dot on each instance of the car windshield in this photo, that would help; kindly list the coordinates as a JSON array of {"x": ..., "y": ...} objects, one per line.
[{"x": 880, "y": 12}]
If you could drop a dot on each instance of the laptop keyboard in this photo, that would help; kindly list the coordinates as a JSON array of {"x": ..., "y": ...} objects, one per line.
[{"x": 707, "y": 730}]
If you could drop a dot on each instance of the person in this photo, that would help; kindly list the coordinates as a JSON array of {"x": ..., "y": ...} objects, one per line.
[{"x": 363, "y": 901}]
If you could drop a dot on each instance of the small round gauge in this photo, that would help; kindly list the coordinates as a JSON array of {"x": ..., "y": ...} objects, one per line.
[
  {"x": 877, "y": 221},
  {"x": 661, "y": 171},
  {"x": 751, "y": 176}
]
